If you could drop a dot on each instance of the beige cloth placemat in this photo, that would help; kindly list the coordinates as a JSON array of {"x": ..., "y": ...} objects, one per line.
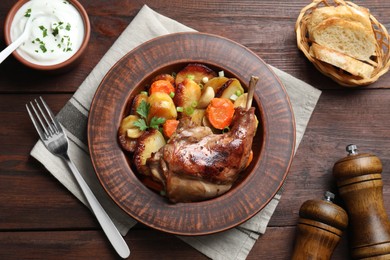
[{"x": 235, "y": 243}]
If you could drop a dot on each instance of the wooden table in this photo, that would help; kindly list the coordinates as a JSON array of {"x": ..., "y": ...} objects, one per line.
[{"x": 40, "y": 219}]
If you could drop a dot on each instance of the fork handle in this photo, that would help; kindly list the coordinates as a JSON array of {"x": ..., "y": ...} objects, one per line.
[{"x": 106, "y": 223}]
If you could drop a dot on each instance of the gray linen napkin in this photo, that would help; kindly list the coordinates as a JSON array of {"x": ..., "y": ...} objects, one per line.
[{"x": 235, "y": 243}]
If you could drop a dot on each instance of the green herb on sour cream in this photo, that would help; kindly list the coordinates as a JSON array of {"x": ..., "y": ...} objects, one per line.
[
  {"x": 57, "y": 31},
  {"x": 28, "y": 13}
]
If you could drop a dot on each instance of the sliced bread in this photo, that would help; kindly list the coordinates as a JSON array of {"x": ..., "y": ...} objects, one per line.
[
  {"x": 358, "y": 14},
  {"x": 344, "y": 62},
  {"x": 348, "y": 37}
]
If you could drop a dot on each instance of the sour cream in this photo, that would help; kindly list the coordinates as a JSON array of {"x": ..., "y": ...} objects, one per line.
[{"x": 56, "y": 34}]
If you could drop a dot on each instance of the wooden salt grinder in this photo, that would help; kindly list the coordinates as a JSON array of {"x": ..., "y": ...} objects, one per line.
[
  {"x": 360, "y": 185},
  {"x": 319, "y": 229}
]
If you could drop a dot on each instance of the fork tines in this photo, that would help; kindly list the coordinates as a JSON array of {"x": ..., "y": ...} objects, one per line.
[{"x": 43, "y": 119}]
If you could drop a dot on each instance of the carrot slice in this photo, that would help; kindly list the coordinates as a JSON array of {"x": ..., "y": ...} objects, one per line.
[
  {"x": 169, "y": 127},
  {"x": 161, "y": 86},
  {"x": 220, "y": 112}
]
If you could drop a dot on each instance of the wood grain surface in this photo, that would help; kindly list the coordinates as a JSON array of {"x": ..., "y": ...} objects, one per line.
[{"x": 40, "y": 219}]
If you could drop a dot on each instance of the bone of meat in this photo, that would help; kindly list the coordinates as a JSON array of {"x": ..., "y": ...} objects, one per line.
[{"x": 196, "y": 164}]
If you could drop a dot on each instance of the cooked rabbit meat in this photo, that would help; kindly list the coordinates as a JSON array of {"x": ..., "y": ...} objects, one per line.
[{"x": 196, "y": 164}]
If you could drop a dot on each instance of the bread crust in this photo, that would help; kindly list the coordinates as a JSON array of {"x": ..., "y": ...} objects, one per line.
[{"x": 342, "y": 61}]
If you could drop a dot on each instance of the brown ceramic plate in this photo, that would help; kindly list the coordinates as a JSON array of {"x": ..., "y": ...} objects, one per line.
[{"x": 273, "y": 144}]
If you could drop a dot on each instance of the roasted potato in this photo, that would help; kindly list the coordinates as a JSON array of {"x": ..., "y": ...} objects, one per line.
[
  {"x": 197, "y": 116},
  {"x": 128, "y": 133},
  {"x": 127, "y": 144},
  {"x": 216, "y": 83},
  {"x": 149, "y": 142},
  {"x": 207, "y": 95},
  {"x": 196, "y": 72},
  {"x": 232, "y": 86},
  {"x": 161, "y": 105},
  {"x": 137, "y": 101},
  {"x": 187, "y": 94},
  {"x": 241, "y": 101},
  {"x": 167, "y": 77}
]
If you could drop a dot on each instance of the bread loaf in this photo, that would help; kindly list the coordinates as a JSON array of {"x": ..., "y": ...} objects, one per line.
[{"x": 342, "y": 61}]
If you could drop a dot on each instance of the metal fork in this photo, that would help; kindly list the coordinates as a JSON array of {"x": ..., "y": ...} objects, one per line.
[{"x": 55, "y": 140}]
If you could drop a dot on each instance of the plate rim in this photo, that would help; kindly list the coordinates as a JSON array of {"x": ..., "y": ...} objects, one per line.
[{"x": 191, "y": 36}]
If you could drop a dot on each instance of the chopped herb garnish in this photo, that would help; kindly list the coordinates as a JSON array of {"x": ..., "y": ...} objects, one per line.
[
  {"x": 56, "y": 27},
  {"x": 156, "y": 121},
  {"x": 143, "y": 111},
  {"x": 28, "y": 13},
  {"x": 191, "y": 77},
  {"x": 43, "y": 47},
  {"x": 141, "y": 124},
  {"x": 55, "y": 31},
  {"x": 226, "y": 129},
  {"x": 189, "y": 111},
  {"x": 67, "y": 27},
  {"x": 44, "y": 31}
]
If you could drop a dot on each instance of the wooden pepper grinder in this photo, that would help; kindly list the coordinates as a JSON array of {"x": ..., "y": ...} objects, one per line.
[
  {"x": 360, "y": 185},
  {"x": 319, "y": 229}
]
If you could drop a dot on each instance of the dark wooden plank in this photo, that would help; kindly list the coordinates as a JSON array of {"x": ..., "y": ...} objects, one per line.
[
  {"x": 144, "y": 244},
  {"x": 247, "y": 22}
]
